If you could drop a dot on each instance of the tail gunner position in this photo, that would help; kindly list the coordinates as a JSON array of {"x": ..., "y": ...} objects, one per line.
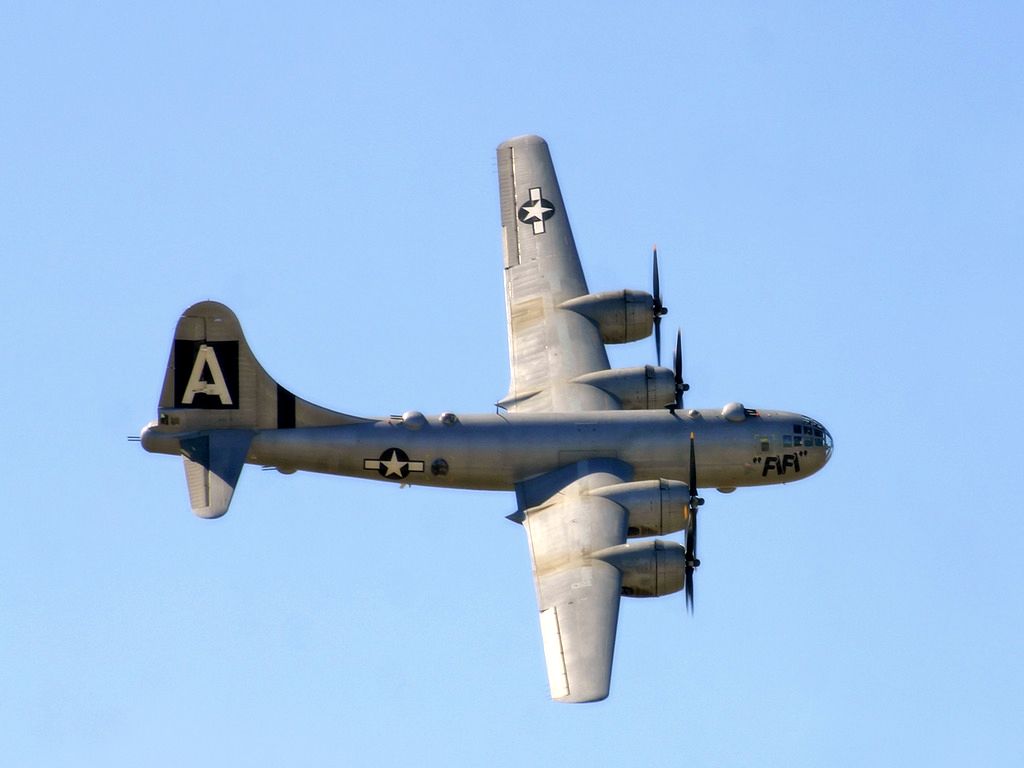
[{"x": 600, "y": 459}]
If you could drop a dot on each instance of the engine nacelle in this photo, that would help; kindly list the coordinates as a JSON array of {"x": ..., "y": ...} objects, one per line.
[
  {"x": 640, "y": 388},
  {"x": 654, "y": 507},
  {"x": 649, "y": 569},
  {"x": 620, "y": 316}
]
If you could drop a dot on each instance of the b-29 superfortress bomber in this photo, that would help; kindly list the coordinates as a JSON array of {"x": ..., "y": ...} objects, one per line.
[{"x": 600, "y": 459}]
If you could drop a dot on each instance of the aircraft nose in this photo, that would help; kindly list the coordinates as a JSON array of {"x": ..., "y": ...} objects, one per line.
[
  {"x": 817, "y": 439},
  {"x": 828, "y": 444}
]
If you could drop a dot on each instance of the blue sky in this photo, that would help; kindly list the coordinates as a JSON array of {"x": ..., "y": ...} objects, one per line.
[{"x": 837, "y": 196}]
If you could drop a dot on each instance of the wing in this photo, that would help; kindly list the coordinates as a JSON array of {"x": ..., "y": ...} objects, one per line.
[
  {"x": 577, "y": 595},
  {"x": 548, "y": 347}
]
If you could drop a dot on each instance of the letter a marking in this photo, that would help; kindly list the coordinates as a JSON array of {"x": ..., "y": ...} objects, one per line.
[{"x": 206, "y": 358}]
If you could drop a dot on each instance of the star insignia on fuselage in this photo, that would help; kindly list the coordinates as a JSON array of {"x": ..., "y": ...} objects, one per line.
[
  {"x": 393, "y": 463},
  {"x": 536, "y": 211}
]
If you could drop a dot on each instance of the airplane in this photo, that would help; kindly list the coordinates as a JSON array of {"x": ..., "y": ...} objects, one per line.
[{"x": 600, "y": 459}]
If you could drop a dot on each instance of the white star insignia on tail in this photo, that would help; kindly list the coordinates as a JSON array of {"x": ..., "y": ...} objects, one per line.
[{"x": 537, "y": 211}]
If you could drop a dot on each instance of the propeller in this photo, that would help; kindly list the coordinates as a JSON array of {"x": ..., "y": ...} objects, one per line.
[
  {"x": 692, "y": 563},
  {"x": 659, "y": 308},
  {"x": 677, "y": 367}
]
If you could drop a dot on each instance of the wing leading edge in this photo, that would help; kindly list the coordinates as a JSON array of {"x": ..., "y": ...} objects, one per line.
[{"x": 549, "y": 347}]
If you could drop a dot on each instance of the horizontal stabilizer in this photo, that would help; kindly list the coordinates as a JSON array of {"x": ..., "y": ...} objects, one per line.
[{"x": 213, "y": 463}]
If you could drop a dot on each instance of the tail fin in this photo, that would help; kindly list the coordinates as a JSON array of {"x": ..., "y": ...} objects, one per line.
[
  {"x": 215, "y": 396},
  {"x": 214, "y": 381}
]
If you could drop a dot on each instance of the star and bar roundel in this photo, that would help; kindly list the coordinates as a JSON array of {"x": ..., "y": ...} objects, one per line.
[
  {"x": 536, "y": 211},
  {"x": 394, "y": 462}
]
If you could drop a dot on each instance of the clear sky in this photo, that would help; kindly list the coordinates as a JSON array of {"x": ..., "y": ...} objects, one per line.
[{"x": 836, "y": 191}]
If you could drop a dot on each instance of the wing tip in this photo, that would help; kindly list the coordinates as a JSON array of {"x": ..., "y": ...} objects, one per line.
[
  {"x": 581, "y": 699},
  {"x": 526, "y": 140}
]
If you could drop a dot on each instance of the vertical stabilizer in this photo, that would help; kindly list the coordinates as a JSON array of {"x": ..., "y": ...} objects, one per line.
[{"x": 215, "y": 397}]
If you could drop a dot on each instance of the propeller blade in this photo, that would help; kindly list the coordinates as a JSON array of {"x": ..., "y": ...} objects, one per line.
[
  {"x": 656, "y": 293},
  {"x": 691, "y": 556},
  {"x": 689, "y": 590},
  {"x": 658, "y": 307},
  {"x": 677, "y": 365},
  {"x": 693, "y": 538},
  {"x": 693, "y": 468}
]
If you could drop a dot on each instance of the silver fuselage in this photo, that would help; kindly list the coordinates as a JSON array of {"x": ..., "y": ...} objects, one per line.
[{"x": 496, "y": 451}]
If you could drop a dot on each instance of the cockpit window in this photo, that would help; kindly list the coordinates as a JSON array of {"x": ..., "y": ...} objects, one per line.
[{"x": 807, "y": 435}]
